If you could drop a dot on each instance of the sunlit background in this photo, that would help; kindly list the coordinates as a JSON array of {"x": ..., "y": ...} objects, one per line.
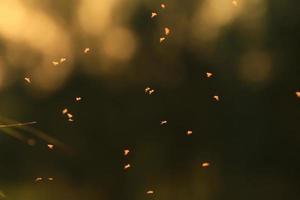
[{"x": 243, "y": 117}]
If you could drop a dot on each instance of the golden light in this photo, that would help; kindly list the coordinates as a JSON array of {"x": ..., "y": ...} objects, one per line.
[
  {"x": 95, "y": 16},
  {"x": 211, "y": 17},
  {"x": 235, "y": 3},
  {"x": 119, "y": 44},
  {"x": 23, "y": 25}
]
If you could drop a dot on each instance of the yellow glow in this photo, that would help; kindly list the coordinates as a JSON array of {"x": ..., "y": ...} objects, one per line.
[
  {"x": 213, "y": 15},
  {"x": 20, "y": 23},
  {"x": 95, "y": 16},
  {"x": 119, "y": 44},
  {"x": 23, "y": 25}
]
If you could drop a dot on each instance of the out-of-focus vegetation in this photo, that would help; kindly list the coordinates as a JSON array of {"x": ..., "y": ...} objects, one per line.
[{"x": 250, "y": 136}]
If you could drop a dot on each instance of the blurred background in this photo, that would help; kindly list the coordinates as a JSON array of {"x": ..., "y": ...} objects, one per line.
[{"x": 107, "y": 52}]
